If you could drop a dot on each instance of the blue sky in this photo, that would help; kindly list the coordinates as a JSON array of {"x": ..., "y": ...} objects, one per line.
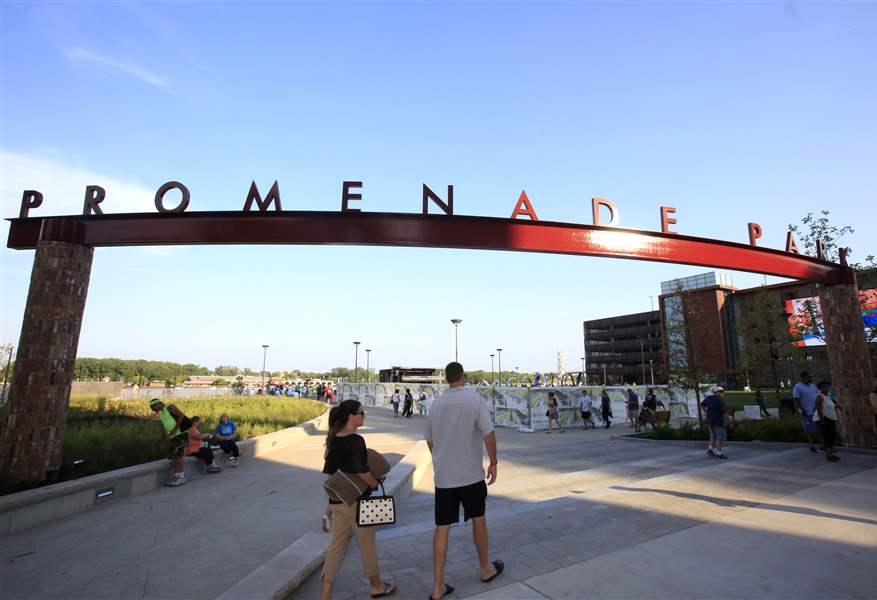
[{"x": 730, "y": 112}]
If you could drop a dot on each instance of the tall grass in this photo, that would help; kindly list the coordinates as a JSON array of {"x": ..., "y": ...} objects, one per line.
[{"x": 111, "y": 434}]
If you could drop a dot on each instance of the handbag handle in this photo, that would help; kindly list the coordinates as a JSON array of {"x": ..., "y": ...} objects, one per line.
[{"x": 381, "y": 483}]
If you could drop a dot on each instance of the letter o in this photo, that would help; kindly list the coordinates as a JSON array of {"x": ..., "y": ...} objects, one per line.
[{"x": 159, "y": 197}]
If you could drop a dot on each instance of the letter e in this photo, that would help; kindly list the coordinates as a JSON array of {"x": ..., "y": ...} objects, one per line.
[
  {"x": 346, "y": 196},
  {"x": 667, "y": 220}
]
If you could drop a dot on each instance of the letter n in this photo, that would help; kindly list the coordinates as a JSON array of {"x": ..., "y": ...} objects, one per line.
[
  {"x": 428, "y": 195},
  {"x": 254, "y": 196}
]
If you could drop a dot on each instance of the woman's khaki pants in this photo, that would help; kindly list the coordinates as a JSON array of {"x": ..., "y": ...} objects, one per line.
[{"x": 343, "y": 524}]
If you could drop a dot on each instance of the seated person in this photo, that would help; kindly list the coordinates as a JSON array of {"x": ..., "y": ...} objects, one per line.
[
  {"x": 196, "y": 446},
  {"x": 225, "y": 435}
]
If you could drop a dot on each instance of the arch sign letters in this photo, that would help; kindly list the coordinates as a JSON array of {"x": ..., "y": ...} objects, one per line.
[
  {"x": 36, "y": 411},
  {"x": 263, "y": 221}
]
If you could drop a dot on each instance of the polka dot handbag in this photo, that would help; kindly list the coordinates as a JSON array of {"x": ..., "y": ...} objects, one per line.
[{"x": 376, "y": 510}]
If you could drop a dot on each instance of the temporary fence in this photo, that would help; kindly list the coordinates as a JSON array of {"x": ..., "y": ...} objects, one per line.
[{"x": 526, "y": 407}]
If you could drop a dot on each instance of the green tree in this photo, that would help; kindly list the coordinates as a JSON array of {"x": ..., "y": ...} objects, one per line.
[
  {"x": 763, "y": 329},
  {"x": 686, "y": 348},
  {"x": 815, "y": 228}
]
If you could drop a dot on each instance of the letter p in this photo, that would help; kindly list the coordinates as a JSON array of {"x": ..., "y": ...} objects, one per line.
[{"x": 29, "y": 199}]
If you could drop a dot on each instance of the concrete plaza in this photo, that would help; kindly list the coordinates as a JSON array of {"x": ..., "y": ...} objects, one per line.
[
  {"x": 580, "y": 515},
  {"x": 573, "y": 515}
]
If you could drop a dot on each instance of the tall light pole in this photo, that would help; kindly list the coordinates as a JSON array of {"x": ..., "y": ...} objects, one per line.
[
  {"x": 492, "y": 378},
  {"x": 584, "y": 379},
  {"x": 264, "y": 359},
  {"x": 499, "y": 359},
  {"x": 642, "y": 358},
  {"x": 355, "y": 361},
  {"x": 456, "y": 322},
  {"x": 652, "y": 369},
  {"x": 368, "y": 373}
]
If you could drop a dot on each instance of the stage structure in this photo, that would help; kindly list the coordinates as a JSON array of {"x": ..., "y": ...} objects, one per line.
[{"x": 32, "y": 435}]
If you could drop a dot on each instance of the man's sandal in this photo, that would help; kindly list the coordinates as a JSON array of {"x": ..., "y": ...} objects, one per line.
[
  {"x": 499, "y": 565},
  {"x": 449, "y": 589},
  {"x": 389, "y": 589}
]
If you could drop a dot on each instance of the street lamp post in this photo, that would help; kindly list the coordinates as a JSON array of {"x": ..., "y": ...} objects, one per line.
[
  {"x": 456, "y": 322},
  {"x": 584, "y": 379},
  {"x": 604, "y": 374},
  {"x": 652, "y": 369},
  {"x": 264, "y": 359},
  {"x": 355, "y": 361},
  {"x": 499, "y": 360},
  {"x": 368, "y": 373},
  {"x": 492, "y": 378}
]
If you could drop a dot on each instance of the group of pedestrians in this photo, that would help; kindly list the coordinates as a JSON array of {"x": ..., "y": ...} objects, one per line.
[
  {"x": 814, "y": 403},
  {"x": 818, "y": 412},
  {"x": 407, "y": 403},
  {"x": 458, "y": 429},
  {"x": 184, "y": 438},
  {"x": 324, "y": 392}
]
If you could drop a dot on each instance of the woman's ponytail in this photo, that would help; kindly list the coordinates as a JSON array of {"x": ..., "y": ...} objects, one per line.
[{"x": 338, "y": 417}]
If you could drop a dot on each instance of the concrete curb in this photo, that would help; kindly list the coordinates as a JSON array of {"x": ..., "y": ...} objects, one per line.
[
  {"x": 278, "y": 577},
  {"x": 633, "y": 437},
  {"x": 25, "y": 509}
]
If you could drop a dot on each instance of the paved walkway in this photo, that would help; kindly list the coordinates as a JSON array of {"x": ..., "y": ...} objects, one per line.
[
  {"x": 195, "y": 541},
  {"x": 579, "y": 515}
]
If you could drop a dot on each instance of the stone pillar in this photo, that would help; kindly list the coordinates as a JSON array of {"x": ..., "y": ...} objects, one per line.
[
  {"x": 849, "y": 361},
  {"x": 32, "y": 437}
]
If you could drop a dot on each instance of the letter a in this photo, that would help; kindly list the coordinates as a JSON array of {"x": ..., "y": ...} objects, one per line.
[
  {"x": 523, "y": 207},
  {"x": 255, "y": 196},
  {"x": 791, "y": 246}
]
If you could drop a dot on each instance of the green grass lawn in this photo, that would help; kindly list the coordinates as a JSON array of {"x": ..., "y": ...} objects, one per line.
[
  {"x": 111, "y": 434},
  {"x": 737, "y": 399}
]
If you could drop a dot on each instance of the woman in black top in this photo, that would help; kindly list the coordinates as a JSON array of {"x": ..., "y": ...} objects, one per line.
[{"x": 346, "y": 452}]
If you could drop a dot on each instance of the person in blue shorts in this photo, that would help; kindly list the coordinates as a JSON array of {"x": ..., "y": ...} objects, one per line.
[
  {"x": 715, "y": 419},
  {"x": 804, "y": 396}
]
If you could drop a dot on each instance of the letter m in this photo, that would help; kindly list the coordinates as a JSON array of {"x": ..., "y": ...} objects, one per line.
[{"x": 255, "y": 196}]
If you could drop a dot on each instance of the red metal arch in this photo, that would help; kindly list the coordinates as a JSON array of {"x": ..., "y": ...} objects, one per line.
[{"x": 403, "y": 229}]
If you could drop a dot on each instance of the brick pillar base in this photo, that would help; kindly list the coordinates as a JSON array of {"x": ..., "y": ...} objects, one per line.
[
  {"x": 36, "y": 412},
  {"x": 850, "y": 363}
]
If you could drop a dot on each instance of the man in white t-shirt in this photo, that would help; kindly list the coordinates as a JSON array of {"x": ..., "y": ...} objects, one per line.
[
  {"x": 586, "y": 410},
  {"x": 457, "y": 426}
]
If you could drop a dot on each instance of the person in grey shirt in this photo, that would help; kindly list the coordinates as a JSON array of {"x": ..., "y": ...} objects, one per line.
[{"x": 457, "y": 426}]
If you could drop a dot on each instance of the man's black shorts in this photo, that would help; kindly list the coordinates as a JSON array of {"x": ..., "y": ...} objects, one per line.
[{"x": 473, "y": 497}]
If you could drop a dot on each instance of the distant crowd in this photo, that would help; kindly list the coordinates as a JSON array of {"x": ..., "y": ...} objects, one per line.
[{"x": 324, "y": 392}]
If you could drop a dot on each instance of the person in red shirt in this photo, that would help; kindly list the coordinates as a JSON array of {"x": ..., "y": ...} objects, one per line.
[{"x": 197, "y": 448}]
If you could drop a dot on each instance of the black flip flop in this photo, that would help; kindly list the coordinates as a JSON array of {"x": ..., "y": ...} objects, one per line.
[
  {"x": 449, "y": 589},
  {"x": 499, "y": 567},
  {"x": 389, "y": 589}
]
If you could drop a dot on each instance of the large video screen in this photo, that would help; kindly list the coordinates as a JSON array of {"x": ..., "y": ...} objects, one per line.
[{"x": 805, "y": 319}]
